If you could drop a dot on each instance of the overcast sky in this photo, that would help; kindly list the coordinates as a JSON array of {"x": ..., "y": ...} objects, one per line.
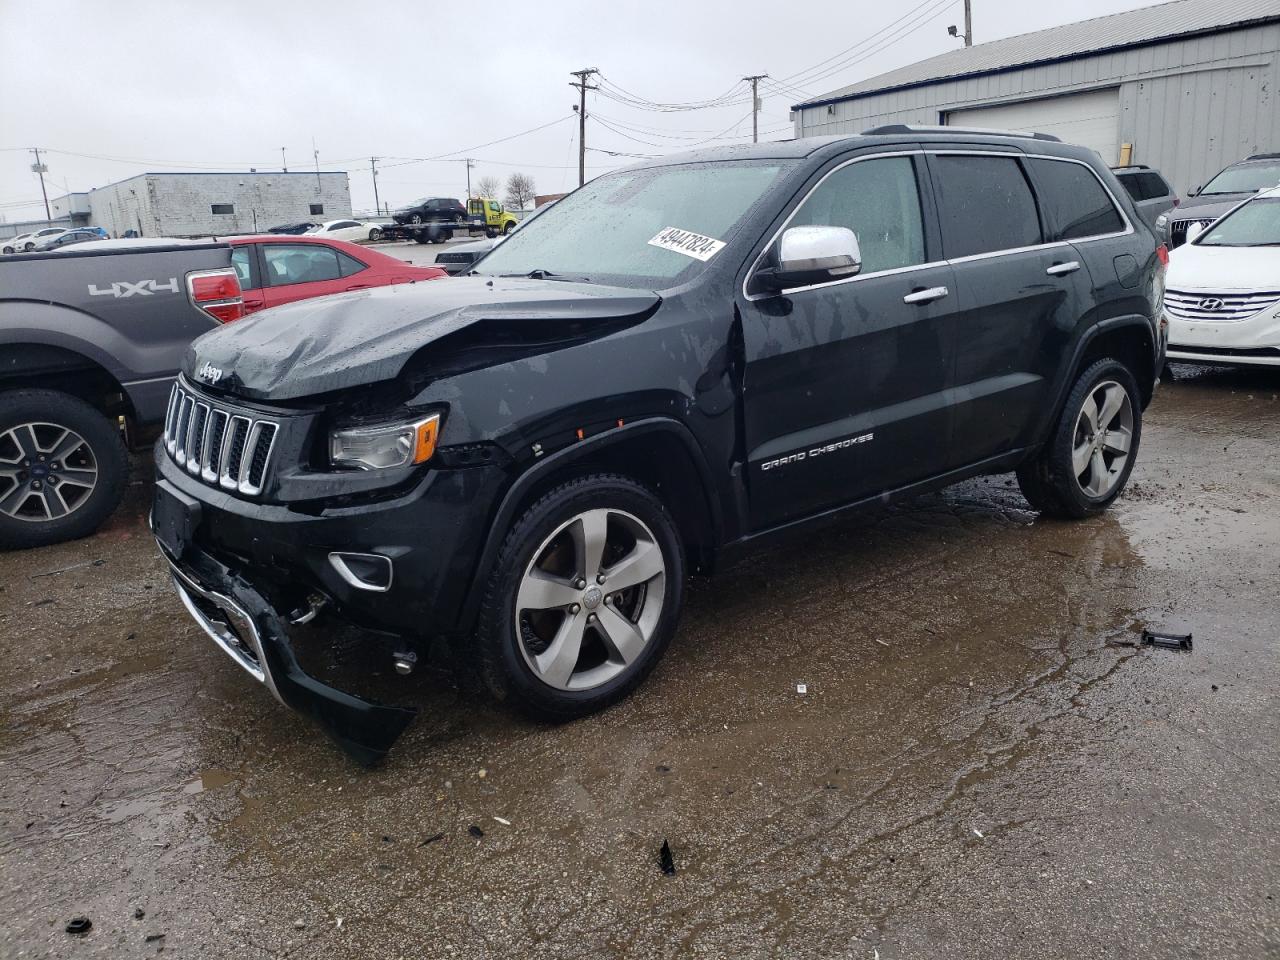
[{"x": 112, "y": 89}]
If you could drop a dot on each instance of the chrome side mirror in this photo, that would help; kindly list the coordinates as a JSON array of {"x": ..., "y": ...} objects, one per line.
[{"x": 806, "y": 255}]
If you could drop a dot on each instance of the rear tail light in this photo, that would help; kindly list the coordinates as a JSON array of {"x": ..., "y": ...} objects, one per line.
[
  {"x": 1163, "y": 253},
  {"x": 217, "y": 293}
]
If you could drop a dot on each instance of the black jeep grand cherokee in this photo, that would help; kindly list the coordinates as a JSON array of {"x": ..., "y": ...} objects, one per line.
[{"x": 679, "y": 358}]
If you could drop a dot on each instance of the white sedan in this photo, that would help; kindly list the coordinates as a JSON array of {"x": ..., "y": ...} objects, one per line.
[
  {"x": 352, "y": 230},
  {"x": 1222, "y": 292}
]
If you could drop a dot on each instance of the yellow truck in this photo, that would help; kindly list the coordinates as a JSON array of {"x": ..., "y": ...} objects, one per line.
[{"x": 489, "y": 215}]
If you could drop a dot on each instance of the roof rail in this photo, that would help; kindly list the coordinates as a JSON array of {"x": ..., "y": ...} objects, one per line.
[
  {"x": 1130, "y": 166},
  {"x": 900, "y": 128}
]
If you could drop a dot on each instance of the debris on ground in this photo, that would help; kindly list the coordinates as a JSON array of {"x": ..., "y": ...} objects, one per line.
[
  {"x": 666, "y": 861},
  {"x": 475, "y": 831},
  {"x": 978, "y": 833},
  {"x": 431, "y": 839},
  {"x": 505, "y": 823},
  {"x": 139, "y": 913},
  {"x": 299, "y": 924},
  {"x": 1170, "y": 641},
  {"x": 79, "y": 926},
  {"x": 152, "y": 937},
  {"x": 802, "y": 688}
]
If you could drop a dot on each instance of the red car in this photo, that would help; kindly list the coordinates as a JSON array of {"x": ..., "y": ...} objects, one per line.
[{"x": 280, "y": 269}]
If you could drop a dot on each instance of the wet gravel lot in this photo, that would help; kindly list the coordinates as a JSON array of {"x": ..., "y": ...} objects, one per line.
[{"x": 985, "y": 763}]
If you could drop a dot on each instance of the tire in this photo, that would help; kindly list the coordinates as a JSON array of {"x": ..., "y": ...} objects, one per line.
[
  {"x": 421, "y": 237},
  {"x": 517, "y": 645},
  {"x": 508, "y": 227},
  {"x": 375, "y": 234},
  {"x": 490, "y": 232},
  {"x": 416, "y": 219},
  {"x": 98, "y": 463},
  {"x": 1051, "y": 481},
  {"x": 29, "y": 247}
]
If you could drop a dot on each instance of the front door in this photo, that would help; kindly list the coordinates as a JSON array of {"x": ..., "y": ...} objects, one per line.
[
  {"x": 299, "y": 271},
  {"x": 845, "y": 383}
]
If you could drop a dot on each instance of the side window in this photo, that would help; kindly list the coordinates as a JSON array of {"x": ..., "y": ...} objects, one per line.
[
  {"x": 1133, "y": 185},
  {"x": 221, "y": 209},
  {"x": 985, "y": 205},
  {"x": 1153, "y": 186},
  {"x": 1074, "y": 200},
  {"x": 495, "y": 206},
  {"x": 301, "y": 263},
  {"x": 242, "y": 260},
  {"x": 317, "y": 209},
  {"x": 349, "y": 265},
  {"x": 879, "y": 201}
]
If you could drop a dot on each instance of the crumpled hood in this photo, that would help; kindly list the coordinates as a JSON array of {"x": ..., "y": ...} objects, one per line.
[{"x": 352, "y": 339}]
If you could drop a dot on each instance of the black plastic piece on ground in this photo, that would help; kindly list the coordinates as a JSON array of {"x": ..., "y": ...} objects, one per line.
[
  {"x": 80, "y": 926},
  {"x": 475, "y": 831},
  {"x": 364, "y": 730},
  {"x": 666, "y": 861},
  {"x": 1170, "y": 641}
]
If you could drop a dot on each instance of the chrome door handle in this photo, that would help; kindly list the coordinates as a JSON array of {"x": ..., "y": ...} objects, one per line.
[
  {"x": 926, "y": 296},
  {"x": 1062, "y": 269}
]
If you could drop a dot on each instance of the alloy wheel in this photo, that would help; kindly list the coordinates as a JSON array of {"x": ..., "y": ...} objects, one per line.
[
  {"x": 47, "y": 472},
  {"x": 590, "y": 599},
  {"x": 1102, "y": 439}
]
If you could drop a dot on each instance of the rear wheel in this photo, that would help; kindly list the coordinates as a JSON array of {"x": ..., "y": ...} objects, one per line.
[
  {"x": 375, "y": 234},
  {"x": 583, "y": 600},
  {"x": 63, "y": 467},
  {"x": 416, "y": 218},
  {"x": 1087, "y": 462}
]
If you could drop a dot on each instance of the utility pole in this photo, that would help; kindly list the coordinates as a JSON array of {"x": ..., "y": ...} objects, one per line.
[
  {"x": 470, "y": 163},
  {"x": 41, "y": 169},
  {"x": 755, "y": 104},
  {"x": 316, "y": 153},
  {"x": 583, "y": 87},
  {"x": 373, "y": 167},
  {"x": 967, "y": 36},
  {"x": 283, "y": 161}
]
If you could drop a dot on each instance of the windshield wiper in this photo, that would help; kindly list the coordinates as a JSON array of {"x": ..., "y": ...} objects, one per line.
[{"x": 540, "y": 274}]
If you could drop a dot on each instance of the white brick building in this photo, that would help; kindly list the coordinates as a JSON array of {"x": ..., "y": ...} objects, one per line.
[{"x": 200, "y": 204}]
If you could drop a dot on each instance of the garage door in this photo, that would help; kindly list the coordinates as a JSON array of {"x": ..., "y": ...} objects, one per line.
[{"x": 1090, "y": 119}]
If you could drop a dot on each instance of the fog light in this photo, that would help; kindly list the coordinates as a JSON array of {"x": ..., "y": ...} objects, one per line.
[{"x": 364, "y": 571}]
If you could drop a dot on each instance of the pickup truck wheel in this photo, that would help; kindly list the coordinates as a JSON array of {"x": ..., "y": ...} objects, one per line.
[
  {"x": 583, "y": 600},
  {"x": 63, "y": 467},
  {"x": 1087, "y": 461}
]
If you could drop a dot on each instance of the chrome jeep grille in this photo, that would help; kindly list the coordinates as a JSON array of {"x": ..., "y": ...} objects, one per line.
[
  {"x": 1222, "y": 307},
  {"x": 221, "y": 445}
]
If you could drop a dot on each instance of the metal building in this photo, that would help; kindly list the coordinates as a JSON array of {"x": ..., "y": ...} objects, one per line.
[{"x": 1187, "y": 87}]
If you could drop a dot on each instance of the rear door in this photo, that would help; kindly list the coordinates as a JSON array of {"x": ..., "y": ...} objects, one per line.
[
  {"x": 846, "y": 380},
  {"x": 244, "y": 258},
  {"x": 1018, "y": 299},
  {"x": 299, "y": 271}
]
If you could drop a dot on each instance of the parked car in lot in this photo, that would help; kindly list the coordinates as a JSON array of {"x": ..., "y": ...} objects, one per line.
[
  {"x": 90, "y": 338},
  {"x": 27, "y": 242},
  {"x": 293, "y": 229},
  {"x": 683, "y": 357},
  {"x": 1223, "y": 297},
  {"x": 1150, "y": 192},
  {"x": 68, "y": 237},
  {"x": 460, "y": 256},
  {"x": 432, "y": 210},
  {"x": 1206, "y": 204},
  {"x": 275, "y": 269},
  {"x": 350, "y": 230}
]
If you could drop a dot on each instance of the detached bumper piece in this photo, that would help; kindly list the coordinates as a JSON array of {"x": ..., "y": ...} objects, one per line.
[{"x": 243, "y": 623}]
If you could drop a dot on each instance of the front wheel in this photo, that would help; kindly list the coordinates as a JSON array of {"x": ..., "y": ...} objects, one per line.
[
  {"x": 63, "y": 467},
  {"x": 583, "y": 600},
  {"x": 1087, "y": 461},
  {"x": 375, "y": 234}
]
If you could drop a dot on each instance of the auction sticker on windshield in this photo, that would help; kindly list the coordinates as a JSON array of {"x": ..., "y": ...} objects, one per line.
[{"x": 690, "y": 244}]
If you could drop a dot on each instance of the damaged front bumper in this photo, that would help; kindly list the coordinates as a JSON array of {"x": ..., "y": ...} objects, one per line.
[{"x": 243, "y": 622}]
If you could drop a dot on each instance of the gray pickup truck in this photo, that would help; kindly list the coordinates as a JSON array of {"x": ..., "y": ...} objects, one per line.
[{"x": 90, "y": 341}]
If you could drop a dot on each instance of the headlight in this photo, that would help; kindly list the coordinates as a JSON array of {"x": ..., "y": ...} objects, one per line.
[
  {"x": 1162, "y": 221},
  {"x": 379, "y": 448}
]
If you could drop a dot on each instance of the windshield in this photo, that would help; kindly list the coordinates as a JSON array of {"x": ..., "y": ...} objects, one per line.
[
  {"x": 1245, "y": 178},
  {"x": 643, "y": 228},
  {"x": 1256, "y": 224}
]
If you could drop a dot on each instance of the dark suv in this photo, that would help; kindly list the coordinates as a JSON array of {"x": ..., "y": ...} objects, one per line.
[
  {"x": 1206, "y": 204},
  {"x": 431, "y": 210},
  {"x": 679, "y": 358}
]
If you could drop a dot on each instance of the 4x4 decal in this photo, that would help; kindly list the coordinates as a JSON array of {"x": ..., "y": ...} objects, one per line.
[{"x": 124, "y": 288}]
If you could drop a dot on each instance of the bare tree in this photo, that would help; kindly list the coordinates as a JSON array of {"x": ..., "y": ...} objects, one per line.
[
  {"x": 520, "y": 190},
  {"x": 488, "y": 187}
]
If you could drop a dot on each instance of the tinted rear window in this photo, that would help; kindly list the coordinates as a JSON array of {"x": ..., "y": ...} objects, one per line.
[
  {"x": 985, "y": 205},
  {"x": 1074, "y": 201}
]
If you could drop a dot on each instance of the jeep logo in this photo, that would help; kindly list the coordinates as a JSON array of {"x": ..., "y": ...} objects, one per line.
[
  {"x": 143, "y": 288},
  {"x": 209, "y": 373}
]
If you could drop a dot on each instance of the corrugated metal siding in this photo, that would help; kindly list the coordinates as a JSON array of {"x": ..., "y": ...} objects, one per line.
[{"x": 1189, "y": 107}]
